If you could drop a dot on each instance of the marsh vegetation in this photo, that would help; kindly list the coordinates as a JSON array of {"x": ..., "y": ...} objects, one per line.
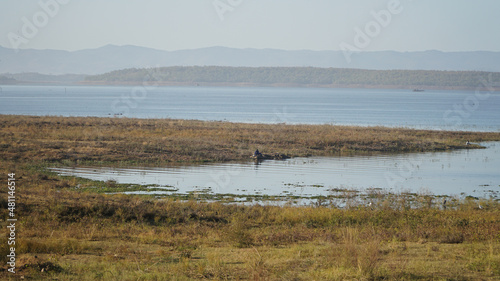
[
  {"x": 127, "y": 141},
  {"x": 70, "y": 233}
]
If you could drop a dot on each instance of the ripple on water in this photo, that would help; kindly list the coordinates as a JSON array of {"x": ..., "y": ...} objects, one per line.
[{"x": 473, "y": 172}]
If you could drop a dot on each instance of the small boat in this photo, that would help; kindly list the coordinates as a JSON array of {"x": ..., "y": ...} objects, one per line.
[{"x": 418, "y": 90}]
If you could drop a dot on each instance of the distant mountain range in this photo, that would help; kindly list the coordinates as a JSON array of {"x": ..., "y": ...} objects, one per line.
[{"x": 110, "y": 57}]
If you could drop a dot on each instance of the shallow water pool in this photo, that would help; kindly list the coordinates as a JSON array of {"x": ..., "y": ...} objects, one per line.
[{"x": 474, "y": 172}]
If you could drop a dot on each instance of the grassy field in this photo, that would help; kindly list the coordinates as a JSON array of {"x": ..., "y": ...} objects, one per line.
[
  {"x": 65, "y": 233},
  {"x": 144, "y": 141}
]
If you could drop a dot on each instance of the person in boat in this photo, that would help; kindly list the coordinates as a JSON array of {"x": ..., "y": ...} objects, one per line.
[{"x": 257, "y": 153}]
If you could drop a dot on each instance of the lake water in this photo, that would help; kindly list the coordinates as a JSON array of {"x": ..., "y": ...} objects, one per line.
[
  {"x": 474, "y": 172},
  {"x": 432, "y": 109}
]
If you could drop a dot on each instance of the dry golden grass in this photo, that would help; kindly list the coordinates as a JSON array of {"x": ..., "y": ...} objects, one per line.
[
  {"x": 74, "y": 235},
  {"x": 64, "y": 234},
  {"x": 115, "y": 140}
]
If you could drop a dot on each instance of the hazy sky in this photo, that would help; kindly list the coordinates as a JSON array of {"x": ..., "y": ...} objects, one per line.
[{"x": 447, "y": 25}]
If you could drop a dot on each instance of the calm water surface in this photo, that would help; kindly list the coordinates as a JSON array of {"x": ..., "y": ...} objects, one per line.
[
  {"x": 473, "y": 172},
  {"x": 450, "y": 110}
]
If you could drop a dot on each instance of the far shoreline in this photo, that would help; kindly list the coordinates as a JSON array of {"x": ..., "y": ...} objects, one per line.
[
  {"x": 251, "y": 85},
  {"x": 285, "y": 85}
]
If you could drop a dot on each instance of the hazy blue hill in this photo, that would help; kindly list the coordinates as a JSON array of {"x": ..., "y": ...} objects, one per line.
[{"x": 110, "y": 57}]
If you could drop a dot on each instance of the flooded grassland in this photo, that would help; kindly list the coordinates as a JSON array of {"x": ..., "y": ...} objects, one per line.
[{"x": 76, "y": 227}]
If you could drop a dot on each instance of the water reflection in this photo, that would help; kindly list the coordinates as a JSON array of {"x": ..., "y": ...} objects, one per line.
[{"x": 464, "y": 172}]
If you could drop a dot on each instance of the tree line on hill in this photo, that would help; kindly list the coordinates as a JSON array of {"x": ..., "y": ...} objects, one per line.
[
  {"x": 34, "y": 77},
  {"x": 4, "y": 80},
  {"x": 306, "y": 76}
]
